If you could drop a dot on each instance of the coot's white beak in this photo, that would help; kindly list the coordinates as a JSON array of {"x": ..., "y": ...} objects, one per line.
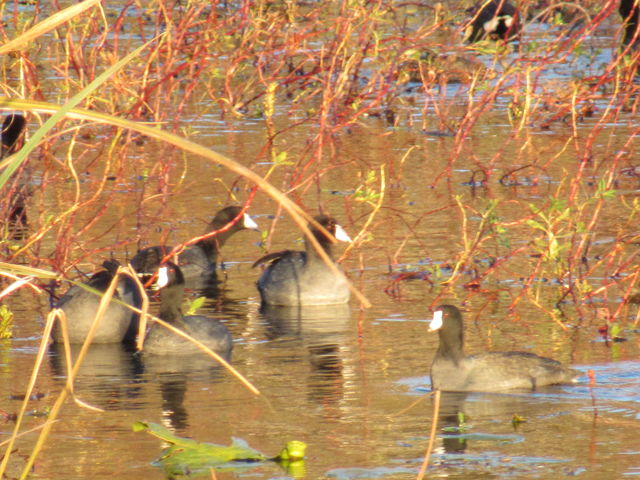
[
  {"x": 436, "y": 322},
  {"x": 342, "y": 235},
  {"x": 247, "y": 222},
  {"x": 163, "y": 277}
]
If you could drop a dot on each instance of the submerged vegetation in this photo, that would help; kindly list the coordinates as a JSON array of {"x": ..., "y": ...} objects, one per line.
[{"x": 551, "y": 206}]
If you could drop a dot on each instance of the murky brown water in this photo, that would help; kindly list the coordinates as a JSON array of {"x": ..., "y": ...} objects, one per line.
[{"x": 341, "y": 379}]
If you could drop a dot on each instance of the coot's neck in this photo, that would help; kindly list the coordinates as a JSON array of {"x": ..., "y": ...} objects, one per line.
[
  {"x": 211, "y": 246},
  {"x": 171, "y": 304},
  {"x": 101, "y": 281},
  {"x": 325, "y": 243},
  {"x": 451, "y": 346}
]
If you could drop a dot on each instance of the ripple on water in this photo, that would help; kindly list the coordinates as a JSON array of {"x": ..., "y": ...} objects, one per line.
[
  {"x": 376, "y": 472},
  {"x": 494, "y": 462},
  {"x": 616, "y": 388}
]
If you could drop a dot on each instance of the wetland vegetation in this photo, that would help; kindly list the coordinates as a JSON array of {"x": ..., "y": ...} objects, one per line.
[{"x": 501, "y": 176}]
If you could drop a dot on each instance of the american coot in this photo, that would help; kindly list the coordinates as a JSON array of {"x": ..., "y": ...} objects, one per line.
[
  {"x": 198, "y": 261},
  {"x": 630, "y": 13},
  {"x": 13, "y": 128},
  {"x": 495, "y": 19},
  {"x": 302, "y": 278},
  {"x": 80, "y": 307},
  {"x": 12, "y": 136},
  {"x": 161, "y": 341},
  {"x": 487, "y": 372}
]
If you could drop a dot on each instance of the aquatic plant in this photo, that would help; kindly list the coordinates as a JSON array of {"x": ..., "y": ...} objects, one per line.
[
  {"x": 6, "y": 322},
  {"x": 185, "y": 456}
]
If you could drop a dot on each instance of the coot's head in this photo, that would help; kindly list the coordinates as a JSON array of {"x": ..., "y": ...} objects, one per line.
[
  {"x": 169, "y": 275},
  {"x": 332, "y": 227},
  {"x": 148, "y": 260},
  {"x": 227, "y": 214},
  {"x": 496, "y": 19},
  {"x": 447, "y": 321},
  {"x": 111, "y": 266}
]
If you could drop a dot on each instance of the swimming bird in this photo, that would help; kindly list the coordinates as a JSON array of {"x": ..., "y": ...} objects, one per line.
[
  {"x": 119, "y": 323},
  {"x": 198, "y": 262},
  {"x": 454, "y": 371},
  {"x": 303, "y": 278},
  {"x": 13, "y": 128},
  {"x": 11, "y": 140},
  {"x": 495, "y": 19},
  {"x": 209, "y": 331},
  {"x": 630, "y": 12}
]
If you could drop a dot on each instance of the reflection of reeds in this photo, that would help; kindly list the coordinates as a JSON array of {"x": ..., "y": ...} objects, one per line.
[
  {"x": 73, "y": 365},
  {"x": 432, "y": 434}
]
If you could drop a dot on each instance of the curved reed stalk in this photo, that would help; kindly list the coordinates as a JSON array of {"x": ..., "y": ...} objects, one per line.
[{"x": 297, "y": 214}]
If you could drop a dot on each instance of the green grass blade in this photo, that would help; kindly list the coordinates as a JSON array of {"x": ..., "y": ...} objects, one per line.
[{"x": 62, "y": 111}]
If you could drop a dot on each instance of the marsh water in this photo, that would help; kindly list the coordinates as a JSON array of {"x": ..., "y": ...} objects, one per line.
[{"x": 352, "y": 382}]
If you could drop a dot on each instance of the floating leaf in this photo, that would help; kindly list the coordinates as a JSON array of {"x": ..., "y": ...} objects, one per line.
[
  {"x": 188, "y": 456},
  {"x": 517, "y": 420}
]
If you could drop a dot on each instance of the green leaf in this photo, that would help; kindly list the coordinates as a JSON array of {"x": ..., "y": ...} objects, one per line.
[
  {"x": 162, "y": 433},
  {"x": 554, "y": 248},
  {"x": 185, "y": 455},
  {"x": 281, "y": 159},
  {"x": 195, "y": 305},
  {"x": 534, "y": 224},
  {"x": 614, "y": 330},
  {"x": 565, "y": 213},
  {"x": 557, "y": 204},
  {"x": 293, "y": 451},
  {"x": 412, "y": 54}
]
